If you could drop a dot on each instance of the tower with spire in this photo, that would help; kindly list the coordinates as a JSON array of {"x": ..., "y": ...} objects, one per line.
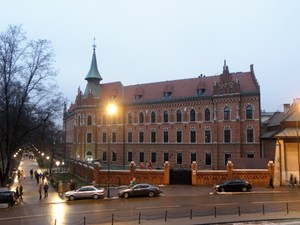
[{"x": 93, "y": 77}]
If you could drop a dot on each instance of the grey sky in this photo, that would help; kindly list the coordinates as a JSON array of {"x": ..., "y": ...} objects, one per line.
[{"x": 149, "y": 41}]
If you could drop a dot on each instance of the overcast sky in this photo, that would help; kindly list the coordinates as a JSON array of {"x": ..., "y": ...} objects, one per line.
[{"x": 149, "y": 41}]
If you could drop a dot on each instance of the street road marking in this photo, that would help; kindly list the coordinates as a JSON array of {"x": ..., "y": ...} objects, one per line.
[{"x": 158, "y": 207}]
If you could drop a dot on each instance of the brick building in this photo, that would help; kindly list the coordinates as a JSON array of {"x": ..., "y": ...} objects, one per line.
[{"x": 207, "y": 119}]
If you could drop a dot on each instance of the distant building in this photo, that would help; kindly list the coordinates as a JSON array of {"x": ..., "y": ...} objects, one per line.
[
  {"x": 207, "y": 119},
  {"x": 280, "y": 140}
]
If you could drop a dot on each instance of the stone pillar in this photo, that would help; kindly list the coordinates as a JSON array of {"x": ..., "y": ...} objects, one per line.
[
  {"x": 132, "y": 168},
  {"x": 167, "y": 173},
  {"x": 97, "y": 168},
  {"x": 194, "y": 173},
  {"x": 271, "y": 173},
  {"x": 229, "y": 170}
]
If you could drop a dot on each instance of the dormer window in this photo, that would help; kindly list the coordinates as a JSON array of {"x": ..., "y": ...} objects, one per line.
[
  {"x": 137, "y": 97},
  {"x": 200, "y": 91},
  {"x": 167, "y": 94}
]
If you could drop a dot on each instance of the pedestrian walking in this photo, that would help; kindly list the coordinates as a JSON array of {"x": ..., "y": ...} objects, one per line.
[
  {"x": 21, "y": 192},
  {"x": 132, "y": 182},
  {"x": 271, "y": 182},
  {"x": 37, "y": 176},
  {"x": 292, "y": 180},
  {"x": 17, "y": 192},
  {"x": 31, "y": 173},
  {"x": 40, "y": 190},
  {"x": 46, "y": 190}
]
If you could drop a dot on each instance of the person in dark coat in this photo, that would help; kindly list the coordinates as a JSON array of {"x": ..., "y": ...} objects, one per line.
[
  {"x": 17, "y": 192},
  {"x": 21, "y": 192}
]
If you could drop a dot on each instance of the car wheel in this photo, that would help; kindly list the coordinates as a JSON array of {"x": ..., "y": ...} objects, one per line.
[
  {"x": 126, "y": 195},
  {"x": 72, "y": 198},
  {"x": 151, "y": 194},
  {"x": 222, "y": 189},
  {"x": 244, "y": 189},
  {"x": 95, "y": 196}
]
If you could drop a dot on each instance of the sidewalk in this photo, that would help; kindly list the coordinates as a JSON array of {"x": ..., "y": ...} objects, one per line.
[{"x": 30, "y": 186}]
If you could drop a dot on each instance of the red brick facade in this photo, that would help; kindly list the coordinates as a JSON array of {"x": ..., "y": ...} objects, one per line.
[{"x": 205, "y": 119}]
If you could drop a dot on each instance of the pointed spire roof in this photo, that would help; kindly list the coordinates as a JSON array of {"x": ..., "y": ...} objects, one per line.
[{"x": 93, "y": 72}]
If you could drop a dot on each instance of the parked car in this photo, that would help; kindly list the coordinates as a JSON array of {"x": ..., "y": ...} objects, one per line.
[
  {"x": 140, "y": 190},
  {"x": 234, "y": 185},
  {"x": 8, "y": 197},
  {"x": 85, "y": 192}
]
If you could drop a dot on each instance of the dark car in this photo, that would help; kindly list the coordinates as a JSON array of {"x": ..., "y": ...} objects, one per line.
[
  {"x": 235, "y": 185},
  {"x": 140, "y": 190},
  {"x": 85, "y": 192},
  {"x": 8, "y": 197}
]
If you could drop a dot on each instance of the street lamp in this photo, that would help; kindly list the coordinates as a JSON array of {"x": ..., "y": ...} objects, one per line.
[
  {"x": 48, "y": 157},
  {"x": 297, "y": 118},
  {"x": 111, "y": 111}
]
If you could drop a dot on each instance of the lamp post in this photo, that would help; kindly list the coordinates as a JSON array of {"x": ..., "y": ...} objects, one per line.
[
  {"x": 48, "y": 157},
  {"x": 297, "y": 133},
  {"x": 111, "y": 111}
]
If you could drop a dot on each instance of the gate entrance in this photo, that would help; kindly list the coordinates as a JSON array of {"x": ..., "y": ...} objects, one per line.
[{"x": 180, "y": 176}]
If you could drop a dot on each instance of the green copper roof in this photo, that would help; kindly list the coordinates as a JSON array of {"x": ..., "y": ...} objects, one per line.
[{"x": 93, "y": 72}]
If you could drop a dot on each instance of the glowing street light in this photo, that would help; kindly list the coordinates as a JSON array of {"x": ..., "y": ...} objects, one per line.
[{"x": 111, "y": 111}]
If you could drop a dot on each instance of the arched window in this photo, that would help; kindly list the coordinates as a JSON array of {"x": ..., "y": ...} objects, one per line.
[
  {"x": 89, "y": 120},
  {"x": 192, "y": 115},
  {"x": 226, "y": 113},
  {"x": 153, "y": 117},
  {"x": 129, "y": 118},
  {"x": 207, "y": 114},
  {"x": 178, "y": 116},
  {"x": 249, "y": 112},
  {"x": 141, "y": 117},
  {"x": 166, "y": 116}
]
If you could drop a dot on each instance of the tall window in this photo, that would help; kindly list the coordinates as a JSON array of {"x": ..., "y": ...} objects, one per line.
[
  {"x": 207, "y": 138},
  {"x": 227, "y": 136},
  {"x": 166, "y": 156},
  {"x": 129, "y": 157},
  {"x": 104, "y": 137},
  {"x": 129, "y": 136},
  {"x": 192, "y": 115},
  {"x": 114, "y": 137},
  {"x": 114, "y": 156},
  {"x": 226, "y": 113},
  {"x": 89, "y": 120},
  {"x": 207, "y": 114},
  {"x": 141, "y": 117},
  {"x": 193, "y": 157},
  {"x": 179, "y": 136},
  {"x": 249, "y": 112},
  {"x": 192, "y": 136},
  {"x": 179, "y": 158},
  {"x": 227, "y": 156},
  {"x": 141, "y": 157},
  {"x": 166, "y": 116},
  {"x": 104, "y": 156},
  {"x": 89, "y": 137},
  {"x": 141, "y": 136},
  {"x": 250, "y": 135},
  {"x": 207, "y": 159},
  {"x": 153, "y": 157},
  {"x": 129, "y": 118},
  {"x": 153, "y": 117},
  {"x": 153, "y": 136},
  {"x": 104, "y": 119},
  {"x": 178, "y": 116},
  {"x": 166, "y": 136}
]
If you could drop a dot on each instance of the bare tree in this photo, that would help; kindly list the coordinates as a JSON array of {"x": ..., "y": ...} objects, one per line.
[{"x": 29, "y": 96}]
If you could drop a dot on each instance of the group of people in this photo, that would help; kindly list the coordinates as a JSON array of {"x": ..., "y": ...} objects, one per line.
[{"x": 19, "y": 192}]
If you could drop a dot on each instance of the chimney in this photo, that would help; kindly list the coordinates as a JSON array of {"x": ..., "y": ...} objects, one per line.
[{"x": 286, "y": 107}]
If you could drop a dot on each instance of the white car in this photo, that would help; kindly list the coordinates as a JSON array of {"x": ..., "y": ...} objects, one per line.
[{"x": 85, "y": 192}]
